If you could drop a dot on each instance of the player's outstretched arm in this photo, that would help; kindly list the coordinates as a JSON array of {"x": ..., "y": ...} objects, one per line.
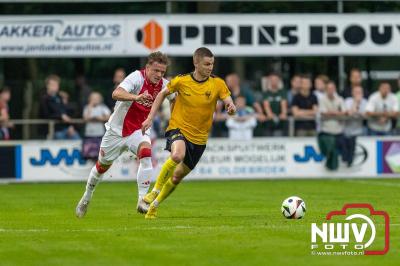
[
  {"x": 154, "y": 108},
  {"x": 119, "y": 94},
  {"x": 229, "y": 105}
]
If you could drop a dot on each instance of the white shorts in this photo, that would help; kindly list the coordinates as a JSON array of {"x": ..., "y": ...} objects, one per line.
[{"x": 112, "y": 145}]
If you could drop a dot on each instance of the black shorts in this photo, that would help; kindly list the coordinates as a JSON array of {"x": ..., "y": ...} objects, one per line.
[{"x": 193, "y": 151}]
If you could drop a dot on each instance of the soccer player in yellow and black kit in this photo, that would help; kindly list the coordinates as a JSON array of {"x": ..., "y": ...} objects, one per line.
[{"x": 190, "y": 123}]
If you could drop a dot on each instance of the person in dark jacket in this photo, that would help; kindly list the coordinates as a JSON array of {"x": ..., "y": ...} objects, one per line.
[
  {"x": 119, "y": 76},
  {"x": 52, "y": 107}
]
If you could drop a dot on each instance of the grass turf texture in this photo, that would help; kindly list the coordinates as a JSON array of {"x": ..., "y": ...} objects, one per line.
[{"x": 202, "y": 223}]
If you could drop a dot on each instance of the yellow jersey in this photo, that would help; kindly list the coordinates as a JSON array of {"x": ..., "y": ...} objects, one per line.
[{"x": 195, "y": 105}]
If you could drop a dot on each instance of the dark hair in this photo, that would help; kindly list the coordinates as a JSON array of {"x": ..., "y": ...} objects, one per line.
[
  {"x": 305, "y": 76},
  {"x": 5, "y": 89},
  {"x": 158, "y": 57},
  {"x": 330, "y": 82},
  {"x": 354, "y": 69},
  {"x": 274, "y": 73},
  {"x": 296, "y": 75},
  {"x": 52, "y": 77},
  {"x": 385, "y": 82},
  {"x": 119, "y": 69},
  {"x": 202, "y": 52}
]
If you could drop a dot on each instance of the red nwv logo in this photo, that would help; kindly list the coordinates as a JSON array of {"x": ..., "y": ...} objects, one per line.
[{"x": 352, "y": 234}]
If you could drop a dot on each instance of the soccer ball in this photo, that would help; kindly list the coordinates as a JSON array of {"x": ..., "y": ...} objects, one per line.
[{"x": 293, "y": 208}]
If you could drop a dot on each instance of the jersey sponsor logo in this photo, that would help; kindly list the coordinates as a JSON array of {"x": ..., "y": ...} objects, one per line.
[
  {"x": 146, "y": 103},
  {"x": 208, "y": 94},
  {"x": 46, "y": 157}
]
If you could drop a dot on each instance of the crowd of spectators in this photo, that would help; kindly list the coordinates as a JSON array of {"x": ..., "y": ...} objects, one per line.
[{"x": 315, "y": 104}]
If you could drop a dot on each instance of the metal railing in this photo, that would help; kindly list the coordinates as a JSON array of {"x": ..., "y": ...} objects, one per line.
[{"x": 51, "y": 124}]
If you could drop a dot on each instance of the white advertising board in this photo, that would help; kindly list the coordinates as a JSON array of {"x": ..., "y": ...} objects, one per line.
[
  {"x": 180, "y": 35},
  {"x": 61, "y": 161},
  {"x": 279, "y": 158},
  {"x": 260, "y": 158}
]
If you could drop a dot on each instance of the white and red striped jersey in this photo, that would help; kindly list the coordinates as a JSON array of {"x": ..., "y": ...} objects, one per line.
[{"x": 129, "y": 116}]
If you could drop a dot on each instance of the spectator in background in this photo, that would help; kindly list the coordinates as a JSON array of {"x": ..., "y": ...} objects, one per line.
[
  {"x": 381, "y": 108},
  {"x": 70, "y": 108},
  {"x": 241, "y": 126},
  {"x": 95, "y": 114},
  {"x": 119, "y": 76},
  {"x": 305, "y": 107},
  {"x": 320, "y": 83},
  {"x": 72, "y": 111},
  {"x": 295, "y": 86},
  {"x": 52, "y": 107},
  {"x": 275, "y": 106},
  {"x": 355, "y": 79},
  {"x": 332, "y": 109},
  {"x": 398, "y": 89},
  {"x": 354, "y": 126},
  {"x": 5, "y": 125},
  {"x": 233, "y": 83},
  {"x": 83, "y": 90}
]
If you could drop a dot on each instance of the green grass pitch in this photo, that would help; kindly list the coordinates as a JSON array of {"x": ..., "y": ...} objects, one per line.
[{"x": 202, "y": 223}]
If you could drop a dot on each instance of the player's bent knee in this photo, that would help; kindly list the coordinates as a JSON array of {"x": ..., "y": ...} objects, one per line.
[
  {"x": 177, "y": 157},
  {"x": 102, "y": 168}
]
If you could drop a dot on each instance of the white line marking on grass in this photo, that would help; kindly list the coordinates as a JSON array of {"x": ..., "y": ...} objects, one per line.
[
  {"x": 125, "y": 229},
  {"x": 3, "y": 230},
  {"x": 23, "y": 230}
]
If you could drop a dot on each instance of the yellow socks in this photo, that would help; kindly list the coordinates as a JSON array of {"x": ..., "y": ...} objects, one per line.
[
  {"x": 165, "y": 192},
  {"x": 166, "y": 172}
]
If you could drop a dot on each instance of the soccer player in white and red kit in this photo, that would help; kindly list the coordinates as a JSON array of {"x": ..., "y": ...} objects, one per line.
[{"x": 134, "y": 96}]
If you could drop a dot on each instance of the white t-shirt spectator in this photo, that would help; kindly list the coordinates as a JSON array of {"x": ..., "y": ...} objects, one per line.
[
  {"x": 331, "y": 125},
  {"x": 354, "y": 125},
  {"x": 95, "y": 129},
  {"x": 242, "y": 130},
  {"x": 378, "y": 104},
  {"x": 319, "y": 94}
]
